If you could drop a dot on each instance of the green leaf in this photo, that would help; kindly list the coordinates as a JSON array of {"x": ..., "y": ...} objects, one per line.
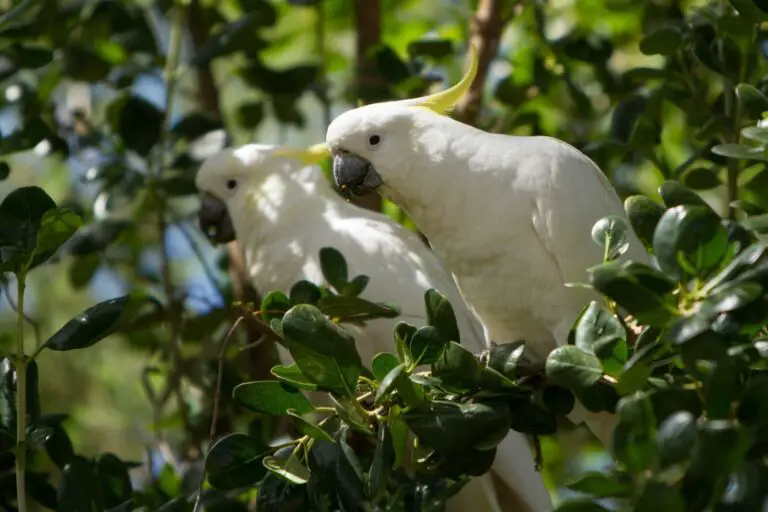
[
  {"x": 138, "y": 122},
  {"x": 664, "y": 41},
  {"x": 95, "y": 237},
  {"x": 349, "y": 308},
  {"x": 334, "y": 267},
  {"x": 116, "y": 485},
  {"x": 356, "y": 286},
  {"x": 309, "y": 428},
  {"x": 324, "y": 352},
  {"x": 271, "y": 397},
  {"x": 397, "y": 379},
  {"x": 95, "y": 323},
  {"x": 381, "y": 465},
  {"x": 289, "y": 468},
  {"x": 753, "y": 408},
  {"x": 350, "y": 414},
  {"x": 748, "y": 10},
  {"x": 457, "y": 368},
  {"x": 22, "y": 212},
  {"x": 5, "y": 171},
  {"x": 695, "y": 232},
  {"x": 573, "y": 368},
  {"x": 756, "y": 133},
  {"x": 598, "y": 327},
  {"x": 59, "y": 447},
  {"x": 579, "y": 505},
  {"x": 529, "y": 418},
  {"x": 558, "y": 400},
  {"x": 701, "y": 178},
  {"x": 610, "y": 233},
  {"x": 643, "y": 291},
  {"x": 274, "y": 305},
  {"x": 444, "y": 426},
  {"x": 382, "y": 364},
  {"x": 508, "y": 358},
  {"x": 633, "y": 441},
  {"x": 441, "y": 316},
  {"x": 250, "y": 115},
  {"x": 234, "y": 461},
  {"x": 291, "y": 375},
  {"x": 57, "y": 226},
  {"x": 602, "y": 485},
  {"x": 77, "y": 491},
  {"x": 657, "y": 497},
  {"x": 731, "y": 297},
  {"x": 427, "y": 345},
  {"x": 435, "y": 48},
  {"x": 676, "y": 437},
  {"x": 304, "y": 292},
  {"x": 740, "y": 151},
  {"x": 674, "y": 194},
  {"x": 643, "y": 214},
  {"x": 752, "y": 101},
  {"x": 633, "y": 378}
]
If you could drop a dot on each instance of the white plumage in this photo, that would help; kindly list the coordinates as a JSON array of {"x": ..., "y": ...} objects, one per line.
[
  {"x": 509, "y": 216},
  {"x": 283, "y": 212}
]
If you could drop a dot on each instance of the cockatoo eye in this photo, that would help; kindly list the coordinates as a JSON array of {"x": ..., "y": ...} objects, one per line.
[
  {"x": 374, "y": 140},
  {"x": 231, "y": 184}
]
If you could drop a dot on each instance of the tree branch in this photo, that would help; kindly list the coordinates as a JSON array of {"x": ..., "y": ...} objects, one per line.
[
  {"x": 486, "y": 28},
  {"x": 368, "y": 29},
  {"x": 262, "y": 357}
]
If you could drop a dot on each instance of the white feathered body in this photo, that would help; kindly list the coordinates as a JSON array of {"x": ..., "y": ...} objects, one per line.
[
  {"x": 292, "y": 216},
  {"x": 284, "y": 220},
  {"x": 509, "y": 216}
]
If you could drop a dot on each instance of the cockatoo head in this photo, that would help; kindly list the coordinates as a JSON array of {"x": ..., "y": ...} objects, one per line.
[
  {"x": 225, "y": 179},
  {"x": 370, "y": 144}
]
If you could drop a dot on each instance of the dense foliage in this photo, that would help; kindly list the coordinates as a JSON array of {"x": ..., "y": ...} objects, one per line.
[{"x": 667, "y": 96}]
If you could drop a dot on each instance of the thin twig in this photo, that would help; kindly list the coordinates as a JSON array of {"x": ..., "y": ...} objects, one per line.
[
  {"x": 216, "y": 402},
  {"x": 32, "y": 322},
  {"x": 174, "y": 307},
  {"x": 486, "y": 28},
  {"x": 21, "y": 399}
]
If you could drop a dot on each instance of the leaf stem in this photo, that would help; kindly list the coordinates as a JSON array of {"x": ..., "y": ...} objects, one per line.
[{"x": 21, "y": 398}]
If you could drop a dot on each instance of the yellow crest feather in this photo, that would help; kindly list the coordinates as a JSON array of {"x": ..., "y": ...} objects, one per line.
[
  {"x": 312, "y": 155},
  {"x": 444, "y": 101}
]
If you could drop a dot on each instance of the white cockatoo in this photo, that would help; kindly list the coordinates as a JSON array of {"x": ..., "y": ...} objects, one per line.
[
  {"x": 510, "y": 216},
  {"x": 278, "y": 204}
]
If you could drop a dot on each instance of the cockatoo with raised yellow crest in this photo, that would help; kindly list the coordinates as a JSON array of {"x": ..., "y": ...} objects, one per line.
[
  {"x": 278, "y": 204},
  {"x": 510, "y": 216}
]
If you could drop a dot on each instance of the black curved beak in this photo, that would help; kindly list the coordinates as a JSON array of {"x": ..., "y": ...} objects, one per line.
[
  {"x": 214, "y": 219},
  {"x": 354, "y": 174}
]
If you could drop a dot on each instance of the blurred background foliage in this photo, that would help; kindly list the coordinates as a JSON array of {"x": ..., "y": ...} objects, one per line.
[{"x": 638, "y": 86}]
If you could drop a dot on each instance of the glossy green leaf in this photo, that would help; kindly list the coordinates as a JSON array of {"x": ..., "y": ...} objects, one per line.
[
  {"x": 740, "y": 151},
  {"x": 676, "y": 436},
  {"x": 441, "y": 316},
  {"x": 382, "y": 364},
  {"x": 611, "y": 234},
  {"x": 664, "y": 41},
  {"x": 558, "y": 400},
  {"x": 643, "y": 214},
  {"x": 77, "y": 491},
  {"x": 22, "y": 212},
  {"x": 235, "y": 461},
  {"x": 291, "y": 375},
  {"x": 701, "y": 178},
  {"x": 602, "y": 485},
  {"x": 457, "y": 368},
  {"x": 274, "y": 305},
  {"x": 95, "y": 323},
  {"x": 334, "y": 267},
  {"x": 752, "y": 101},
  {"x": 427, "y": 345},
  {"x": 324, "y": 352},
  {"x": 573, "y": 368},
  {"x": 309, "y": 428},
  {"x": 271, "y": 397}
]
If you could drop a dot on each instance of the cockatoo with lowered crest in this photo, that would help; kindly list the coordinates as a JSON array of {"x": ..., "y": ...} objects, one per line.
[
  {"x": 510, "y": 216},
  {"x": 277, "y": 203}
]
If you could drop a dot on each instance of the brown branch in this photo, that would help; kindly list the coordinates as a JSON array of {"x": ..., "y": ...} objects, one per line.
[
  {"x": 486, "y": 28},
  {"x": 262, "y": 357},
  {"x": 216, "y": 403},
  {"x": 368, "y": 28}
]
